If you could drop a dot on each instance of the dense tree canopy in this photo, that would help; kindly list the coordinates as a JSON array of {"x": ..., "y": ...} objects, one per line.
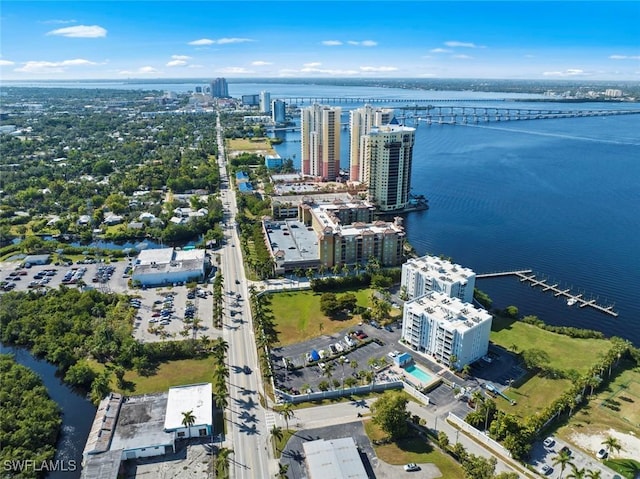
[{"x": 30, "y": 420}]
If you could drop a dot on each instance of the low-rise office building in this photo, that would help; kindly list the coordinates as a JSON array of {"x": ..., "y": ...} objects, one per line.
[
  {"x": 449, "y": 330},
  {"x": 156, "y": 267}
]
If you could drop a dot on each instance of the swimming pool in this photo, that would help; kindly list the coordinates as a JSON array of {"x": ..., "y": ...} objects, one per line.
[{"x": 419, "y": 373}]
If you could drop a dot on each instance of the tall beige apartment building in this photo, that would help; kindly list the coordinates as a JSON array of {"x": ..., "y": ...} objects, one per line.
[
  {"x": 388, "y": 155},
  {"x": 320, "y": 141},
  {"x": 361, "y": 121}
]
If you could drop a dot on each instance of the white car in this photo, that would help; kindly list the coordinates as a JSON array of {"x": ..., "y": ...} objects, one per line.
[
  {"x": 602, "y": 453},
  {"x": 548, "y": 442},
  {"x": 545, "y": 469},
  {"x": 339, "y": 347},
  {"x": 411, "y": 467}
]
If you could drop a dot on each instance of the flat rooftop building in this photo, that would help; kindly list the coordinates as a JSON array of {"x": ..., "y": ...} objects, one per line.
[
  {"x": 334, "y": 459},
  {"x": 446, "y": 328},
  {"x": 430, "y": 273},
  {"x": 196, "y": 398},
  {"x": 155, "y": 267}
]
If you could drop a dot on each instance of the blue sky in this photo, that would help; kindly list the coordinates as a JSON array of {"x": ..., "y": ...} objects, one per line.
[{"x": 202, "y": 39}]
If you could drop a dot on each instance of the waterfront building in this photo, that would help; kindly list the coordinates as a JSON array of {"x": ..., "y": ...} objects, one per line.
[
  {"x": 446, "y": 328},
  {"x": 361, "y": 120},
  {"x": 320, "y": 141},
  {"x": 388, "y": 156},
  {"x": 219, "y": 88},
  {"x": 278, "y": 111},
  {"x": 162, "y": 266},
  {"x": 144, "y": 426},
  {"x": 265, "y": 102},
  {"x": 250, "y": 100},
  {"x": 430, "y": 273}
]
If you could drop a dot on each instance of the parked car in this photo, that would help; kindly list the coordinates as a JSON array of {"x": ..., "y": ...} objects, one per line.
[
  {"x": 548, "y": 442},
  {"x": 545, "y": 469},
  {"x": 566, "y": 450},
  {"x": 602, "y": 454},
  {"x": 411, "y": 467}
]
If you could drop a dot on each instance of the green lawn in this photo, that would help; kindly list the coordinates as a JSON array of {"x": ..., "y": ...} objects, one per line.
[
  {"x": 281, "y": 443},
  {"x": 628, "y": 468},
  {"x": 412, "y": 449},
  {"x": 584, "y": 352},
  {"x": 298, "y": 316},
  {"x": 172, "y": 373},
  {"x": 533, "y": 395}
]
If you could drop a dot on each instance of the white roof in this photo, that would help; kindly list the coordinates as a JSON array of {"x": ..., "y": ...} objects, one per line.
[
  {"x": 334, "y": 459},
  {"x": 184, "y": 255},
  {"x": 446, "y": 310},
  {"x": 194, "y": 397},
  {"x": 156, "y": 255}
]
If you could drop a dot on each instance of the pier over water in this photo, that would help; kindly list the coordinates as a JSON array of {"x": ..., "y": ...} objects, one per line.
[{"x": 525, "y": 276}]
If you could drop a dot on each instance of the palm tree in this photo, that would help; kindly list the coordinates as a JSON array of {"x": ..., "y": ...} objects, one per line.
[
  {"x": 188, "y": 420},
  {"x": 282, "y": 471},
  {"x": 478, "y": 398},
  {"x": 563, "y": 459},
  {"x": 223, "y": 460},
  {"x": 577, "y": 473},
  {"x": 287, "y": 412},
  {"x": 611, "y": 443},
  {"x": 328, "y": 370},
  {"x": 341, "y": 361},
  {"x": 354, "y": 365},
  {"x": 277, "y": 434},
  {"x": 594, "y": 474}
]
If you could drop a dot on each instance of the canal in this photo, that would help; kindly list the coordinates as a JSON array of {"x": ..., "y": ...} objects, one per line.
[{"x": 77, "y": 412}]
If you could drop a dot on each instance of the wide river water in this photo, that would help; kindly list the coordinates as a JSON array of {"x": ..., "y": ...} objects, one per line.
[{"x": 560, "y": 197}]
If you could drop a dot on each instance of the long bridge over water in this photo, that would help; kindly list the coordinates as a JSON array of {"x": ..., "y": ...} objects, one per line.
[
  {"x": 463, "y": 114},
  {"x": 525, "y": 276}
]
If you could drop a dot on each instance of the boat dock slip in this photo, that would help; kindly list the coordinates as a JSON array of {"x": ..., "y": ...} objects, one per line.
[{"x": 525, "y": 276}]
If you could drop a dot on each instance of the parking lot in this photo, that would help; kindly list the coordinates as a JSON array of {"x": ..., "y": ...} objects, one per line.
[
  {"x": 541, "y": 454},
  {"x": 151, "y": 323}
]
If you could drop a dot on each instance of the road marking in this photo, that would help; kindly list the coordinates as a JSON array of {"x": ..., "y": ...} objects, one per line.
[{"x": 269, "y": 420}]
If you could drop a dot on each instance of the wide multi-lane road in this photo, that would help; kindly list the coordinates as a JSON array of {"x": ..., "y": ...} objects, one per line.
[{"x": 245, "y": 417}]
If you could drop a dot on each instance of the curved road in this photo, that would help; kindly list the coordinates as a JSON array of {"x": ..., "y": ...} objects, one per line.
[{"x": 245, "y": 417}]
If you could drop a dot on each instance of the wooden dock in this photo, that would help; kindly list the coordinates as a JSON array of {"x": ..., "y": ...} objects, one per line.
[{"x": 525, "y": 276}]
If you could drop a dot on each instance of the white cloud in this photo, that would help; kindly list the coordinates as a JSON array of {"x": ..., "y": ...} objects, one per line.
[
  {"x": 368, "y": 43},
  {"x": 440, "y": 50},
  {"x": 624, "y": 57},
  {"x": 6, "y": 63},
  {"x": 260, "y": 63},
  {"x": 58, "y": 22},
  {"x": 454, "y": 44},
  {"x": 202, "y": 41},
  {"x": 235, "y": 70},
  {"x": 223, "y": 41},
  {"x": 80, "y": 31},
  {"x": 331, "y": 43},
  {"x": 178, "y": 61},
  {"x": 566, "y": 73},
  {"x": 220, "y": 41},
  {"x": 462, "y": 57},
  {"x": 194, "y": 65},
  {"x": 378, "y": 69},
  {"x": 312, "y": 64},
  {"x": 329, "y": 71},
  {"x": 140, "y": 71},
  {"x": 52, "y": 67}
]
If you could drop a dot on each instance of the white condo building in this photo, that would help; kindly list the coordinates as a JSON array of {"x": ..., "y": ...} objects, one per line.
[
  {"x": 430, "y": 273},
  {"x": 265, "y": 102},
  {"x": 388, "y": 153},
  {"x": 320, "y": 141},
  {"x": 361, "y": 120},
  {"x": 445, "y": 327}
]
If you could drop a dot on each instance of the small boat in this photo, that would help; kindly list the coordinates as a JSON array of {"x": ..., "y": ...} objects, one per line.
[{"x": 571, "y": 301}]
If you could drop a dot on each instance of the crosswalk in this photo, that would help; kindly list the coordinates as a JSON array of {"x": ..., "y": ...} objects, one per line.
[{"x": 269, "y": 420}]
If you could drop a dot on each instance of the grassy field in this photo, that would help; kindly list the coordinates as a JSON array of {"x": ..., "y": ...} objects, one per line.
[
  {"x": 298, "y": 316},
  {"x": 281, "y": 443},
  {"x": 172, "y": 373},
  {"x": 508, "y": 333},
  {"x": 412, "y": 449},
  {"x": 615, "y": 407},
  {"x": 251, "y": 145},
  {"x": 533, "y": 395},
  {"x": 629, "y": 468}
]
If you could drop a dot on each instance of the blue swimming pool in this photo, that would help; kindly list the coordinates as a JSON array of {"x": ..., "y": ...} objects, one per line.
[{"x": 418, "y": 373}]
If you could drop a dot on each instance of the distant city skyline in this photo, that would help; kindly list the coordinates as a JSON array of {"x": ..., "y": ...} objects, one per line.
[{"x": 67, "y": 40}]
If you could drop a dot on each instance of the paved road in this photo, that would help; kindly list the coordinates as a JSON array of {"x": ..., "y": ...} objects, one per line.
[
  {"x": 245, "y": 417},
  {"x": 334, "y": 414}
]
